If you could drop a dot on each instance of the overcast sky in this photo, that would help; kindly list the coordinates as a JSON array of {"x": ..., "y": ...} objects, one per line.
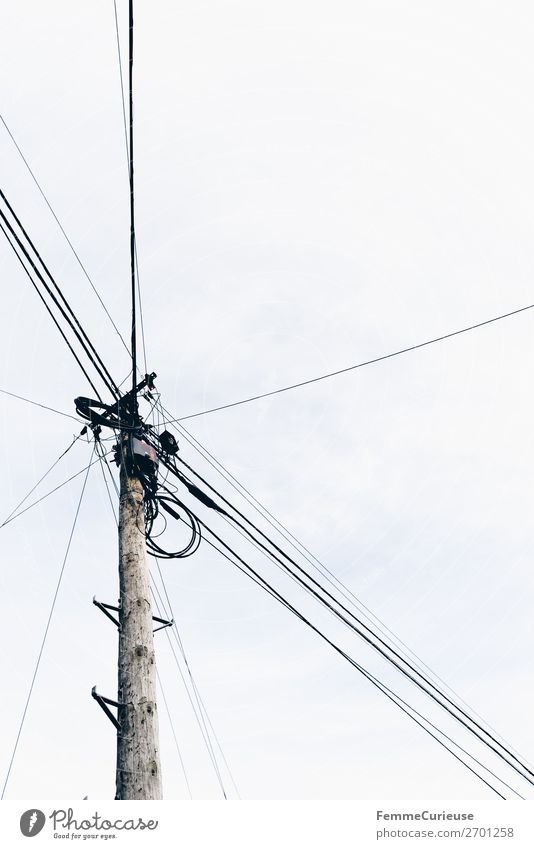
[{"x": 317, "y": 184}]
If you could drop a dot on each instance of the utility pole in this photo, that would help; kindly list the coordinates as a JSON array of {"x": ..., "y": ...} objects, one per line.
[
  {"x": 138, "y": 757},
  {"x": 138, "y": 760}
]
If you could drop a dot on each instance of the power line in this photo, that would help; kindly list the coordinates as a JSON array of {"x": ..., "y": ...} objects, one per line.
[
  {"x": 46, "y": 630},
  {"x": 202, "y": 707},
  {"x": 332, "y": 579},
  {"x": 119, "y": 58},
  {"x": 197, "y": 711},
  {"x": 171, "y": 722},
  {"x": 132, "y": 207},
  {"x": 36, "y": 404},
  {"x": 379, "y": 645},
  {"x": 251, "y": 573},
  {"x": 54, "y": 464},
  {"x": 102, "y": 462},
  {"x": 58, "y": 222},
  {"x": 47, "y": 307},
  {"x": 78, "y": 330},
  {"x": 353, "y": 367},
  {"x": 34, "y": 503}
]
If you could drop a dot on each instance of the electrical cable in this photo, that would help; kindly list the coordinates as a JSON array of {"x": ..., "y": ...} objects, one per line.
[
  {"x": 119, "y": 58},
  {"x": 132, "y": 210},
  {"x": 428, "y": 686},
  {"x": 53, "y": 317},
  {"x": 251, "y": 573},
  {"x": 34, "y": 503},
  {"x": 46, "y": 631},
  {"x": 329, "y": 576},
  {"x": 353, "y": 367},
  {"x": 36, "y": 404},
  {"x": 85, "y": 342},
  {"x": 54, "y": 464},
  {"x": 171, "y": 722},
  {"x": 58, "y": 222},
  {"x": 102, "y": 464},
  {"x": 197, "y": 714},
  {"x": 202, "y": 707}
]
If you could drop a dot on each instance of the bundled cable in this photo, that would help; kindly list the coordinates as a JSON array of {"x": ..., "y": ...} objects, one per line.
[{"x": 321, "y": 594}]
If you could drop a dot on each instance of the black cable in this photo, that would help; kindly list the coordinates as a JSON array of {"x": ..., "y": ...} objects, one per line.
[
  {"x": 132, "y": 208},
  {"x": 345, "y": 591},
  {"x": 362, "y": 635},
  {"x": 311, "y": 558},
  {"x": 382, "y": 651},
  {"x": 58, "y": 222},
  {"x": 353, "y": 367},
  {"x": 128, "y": 166},
  {"x": 251, "y": 573},
  {"x": 53, "y": 317},
  {"x": 101, "y": 368},
  {"x": 263, "y": 582},
  {"x": 46, "y": 631},
  {"x": 257, "y": 547}
]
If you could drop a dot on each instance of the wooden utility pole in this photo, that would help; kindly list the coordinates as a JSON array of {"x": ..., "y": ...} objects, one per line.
[
  {"x": 138, "y": 760},
  {"x": 138, "y": 756}
]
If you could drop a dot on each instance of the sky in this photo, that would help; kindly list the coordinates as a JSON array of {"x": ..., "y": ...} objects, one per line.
[{"x": 317, "y": 184}]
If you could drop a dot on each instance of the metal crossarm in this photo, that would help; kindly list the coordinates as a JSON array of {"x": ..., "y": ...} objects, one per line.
[
  {"x": 104, "y": 702},
  {"x": 105, "y": 608}
]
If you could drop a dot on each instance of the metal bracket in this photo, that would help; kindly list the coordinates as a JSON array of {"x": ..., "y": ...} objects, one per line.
[
  {"x": 166, "y": 623},
  {"x": 105, "y": 608},
  {"x": 103, "y": 702}
]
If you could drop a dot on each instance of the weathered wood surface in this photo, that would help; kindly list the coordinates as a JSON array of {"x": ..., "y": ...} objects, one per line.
[{"x": 138, "y": 756}]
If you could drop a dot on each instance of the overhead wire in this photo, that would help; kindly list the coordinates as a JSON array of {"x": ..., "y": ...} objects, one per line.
[
  {"x": 58, "y": 222},
  {"x": 71, "y": 318},
  {"x": 255, "y": 576},
  {"x": 51, "y": 492},
  {"x": 202, "y": 707},
  {"x": 36, "y": 404},
  {"x": 359, "y": 365},
  {"x": 54, "y": 464},
  {"x": 132, "y": 209},
  {"x": 49, "y": 620},
  {"x": 121, "y": 79},
  {"x": 389, "y": 653},
  {"x": 47, "y": 307},
  {"x": 102, "y": 465},
  {"x": 173, "y": 731},
  {"x": 196, "y": 710},
  {"x": 325, "y": 572},
  {"x": 380, "y": 645}
]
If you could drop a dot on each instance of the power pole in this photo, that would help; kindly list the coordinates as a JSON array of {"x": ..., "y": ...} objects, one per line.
[
  {"x": 138, "y": 774},
  {"x": 138, "y": 761},
  {"x": 138, "y": 758}
]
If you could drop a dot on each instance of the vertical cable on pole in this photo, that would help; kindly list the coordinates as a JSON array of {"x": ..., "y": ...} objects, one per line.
[{"x": 132, "y": 213}]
